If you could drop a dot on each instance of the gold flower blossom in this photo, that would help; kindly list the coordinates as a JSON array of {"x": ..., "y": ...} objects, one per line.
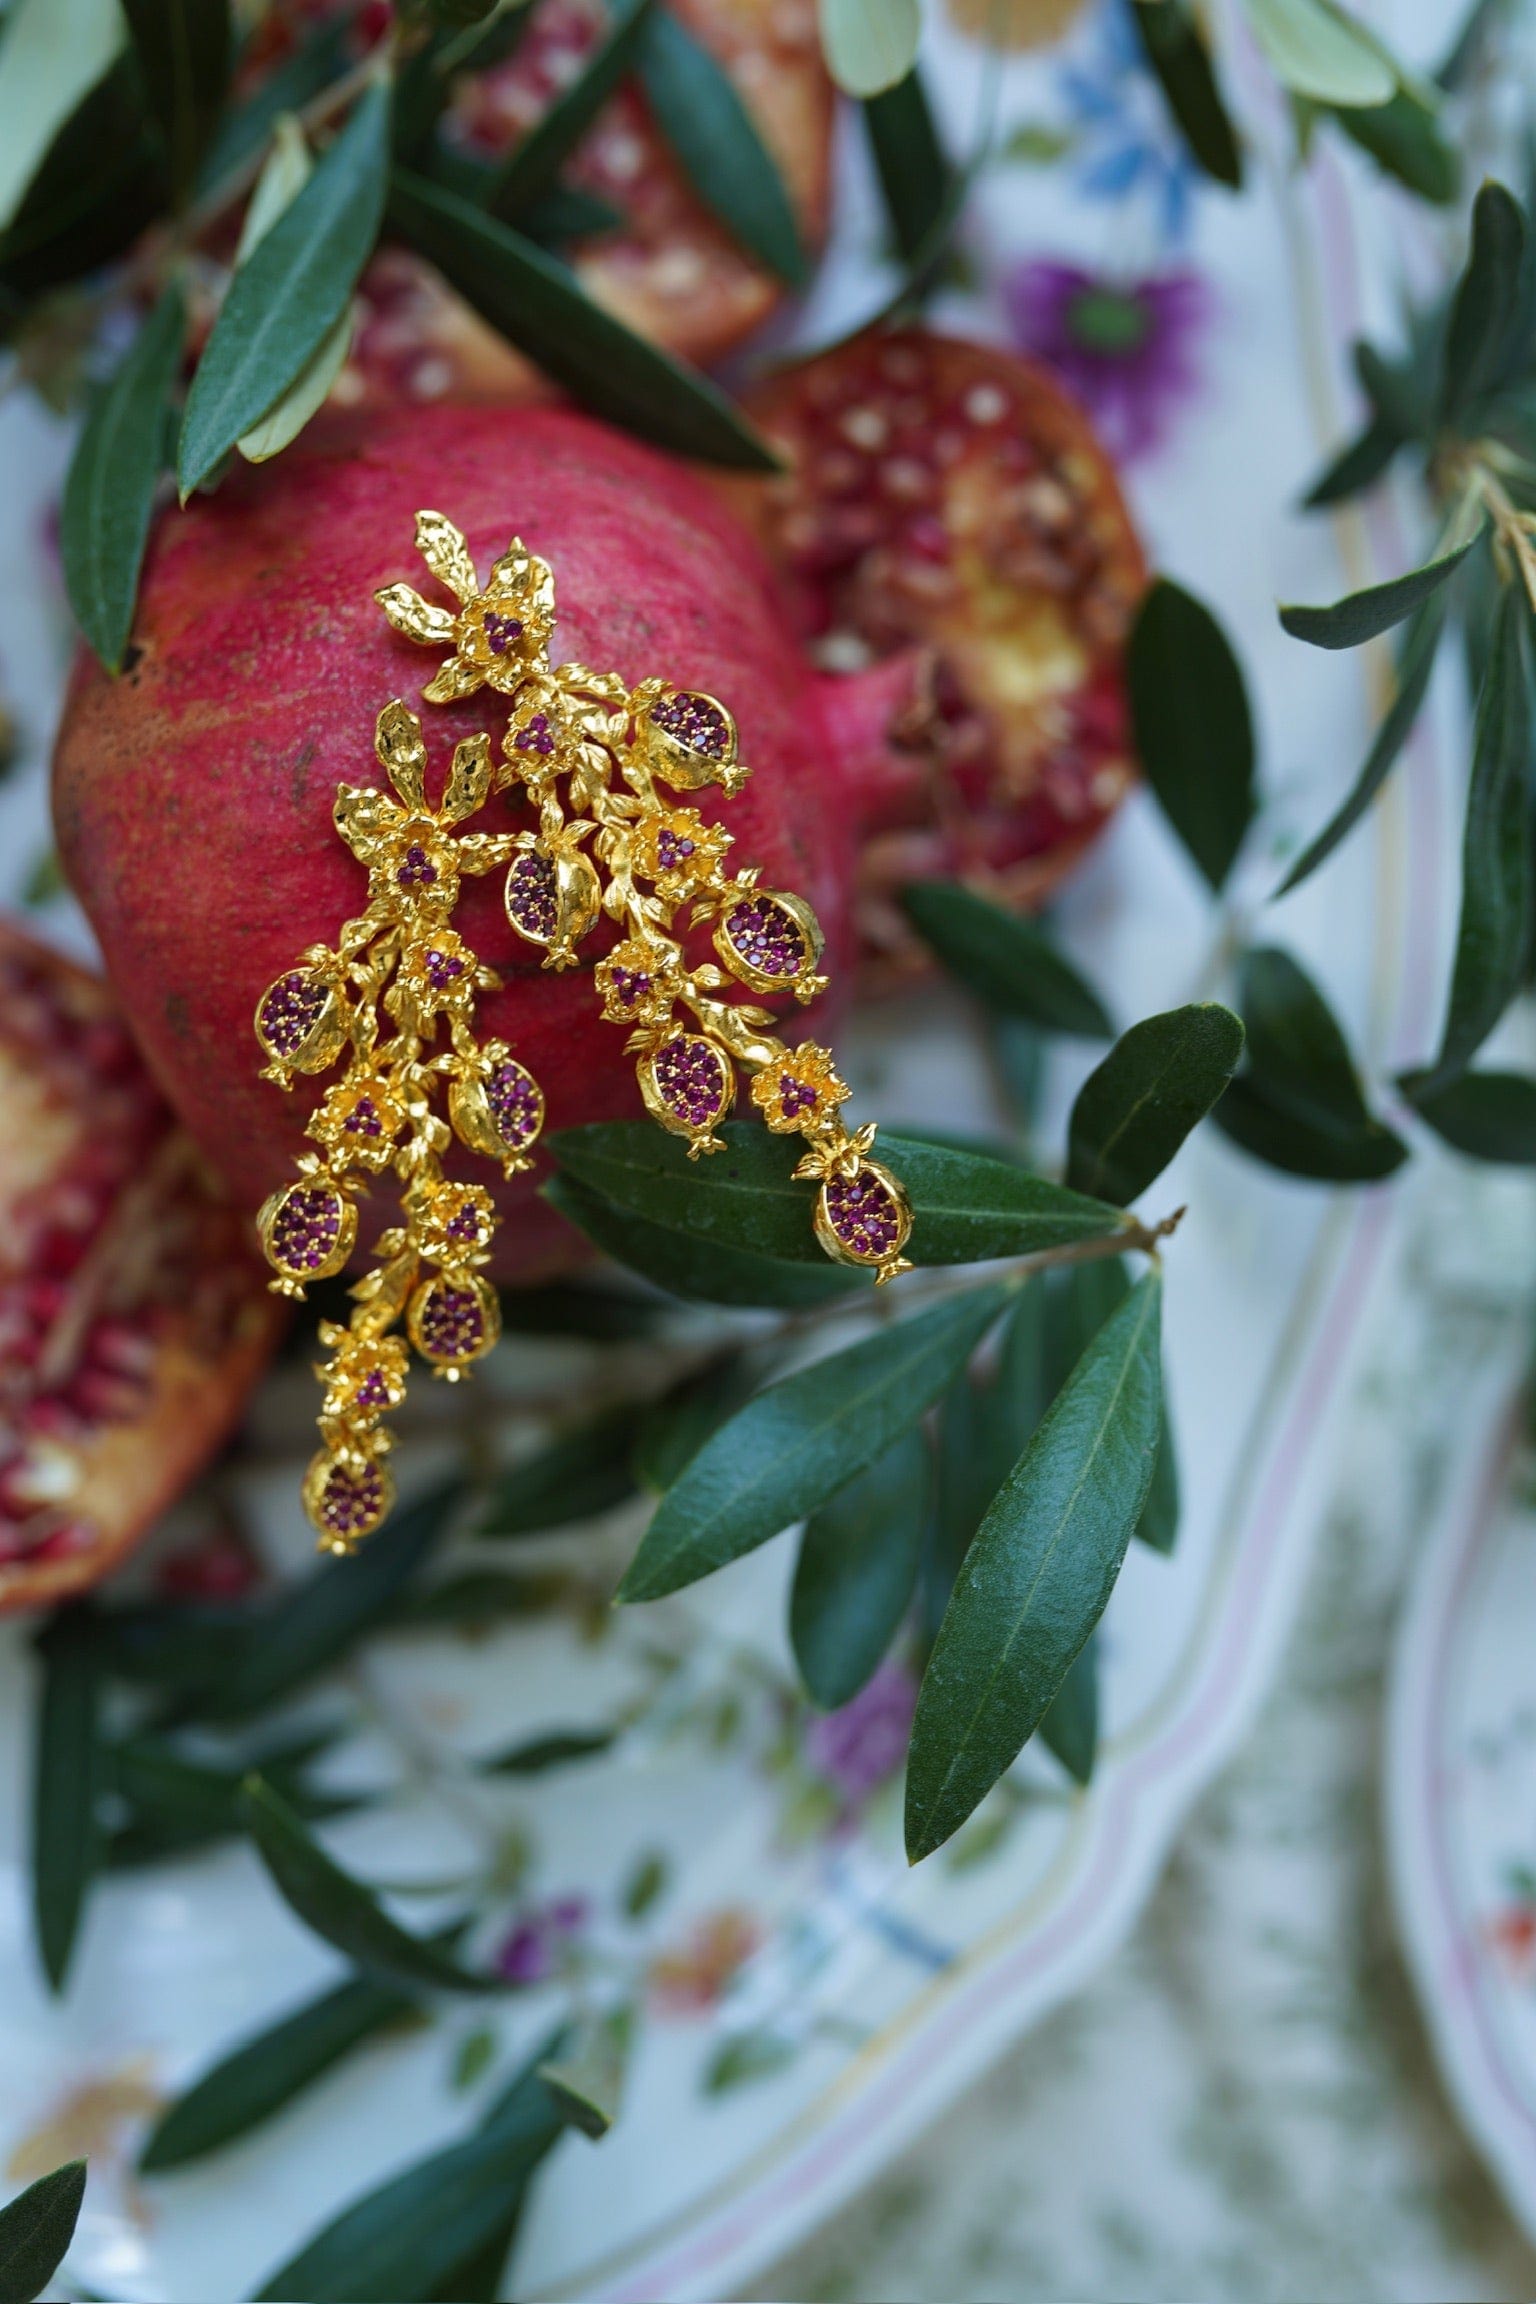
[
  {"x": 800, "y": 1090},
  {"x": 498, "y": 635}
]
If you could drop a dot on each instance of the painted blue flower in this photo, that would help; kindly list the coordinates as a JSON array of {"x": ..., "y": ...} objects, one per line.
[{"x": 1126, "y": 144}]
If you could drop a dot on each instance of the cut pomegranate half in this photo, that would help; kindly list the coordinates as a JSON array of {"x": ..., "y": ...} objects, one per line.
[
  {"x": 952, "y": 500},
  {"x": 670, "y": 270},
  {"x": 134, "y": 1316}
]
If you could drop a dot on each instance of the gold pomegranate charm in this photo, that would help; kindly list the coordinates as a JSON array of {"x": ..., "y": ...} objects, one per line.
[
  {"x": 399, "y": 956},
  {"x": 599, "y": 762}
]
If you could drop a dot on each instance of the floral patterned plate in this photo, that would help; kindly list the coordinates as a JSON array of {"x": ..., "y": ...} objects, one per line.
[
  {"x": 1461, "y": 1793},
  {"x": 731, "y": 1862}
]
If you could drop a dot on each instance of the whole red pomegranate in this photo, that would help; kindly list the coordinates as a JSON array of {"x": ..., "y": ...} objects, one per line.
[
  {"x": 134, "y": 1315},
  {"x": 193, "y": 794}
]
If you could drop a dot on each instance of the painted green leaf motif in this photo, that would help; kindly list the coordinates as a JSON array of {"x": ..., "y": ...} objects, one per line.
[
  {"x": 966, "y": 1206},
  {"x": 716, "y": 140},
  {"x": 539, "y": 305},
  {"x": 1486, "y": 300},
  {"x": 1005, "y": 959},
  {"x": 801, "y": 1440},
  {"x": 184, "y": 49},
  {"x": 532, "y": 166},
  {"x": 915, "y": 177},
  {"x": 1317, "y": 50},
  {"x": 539, "y": 1754},
  {"x": 266, "y": 2072},
  {"x": 584, "y": 1471},
  {"x": 1494, "y": 933},
  {"x": 66, "y": 1781},
  {"x": 1036, "y": 1580},
  {"x": 404, "y": 2242},
  {"x": 1416, "y": 663},
  {"x": 291, "y": 293},
  {"x": 110, "y": 489},
  {"x": 857, "y": 1571},
  {"x": 341, "y": 1909},
  {"x": 1487, "y": 1115},
  {"x": 1070, "y": 1728},
  {"x": 1193, "y": 728},
  {"x": 1361, "y": 616},
  {"x": 1158, "y": 1082},
  {"x": 587, "y": 2078},
  {"x": 1176, "y": 48},
  {"x": 869, "y": 44},
  {"x": 1299, "y": 1105},
  {"x": 36, "y": 2229}
]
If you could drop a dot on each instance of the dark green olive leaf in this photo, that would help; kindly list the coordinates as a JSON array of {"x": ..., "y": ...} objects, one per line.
[
  {"x": 857, "y": 1571},
  {"x": 1494, "y": 934},
  {"x": 1416, "y": 662},
  {"x": 587, "y": 2078},
  {"x": 1158, "y": 1527},
  {"x": 1005, "y": 959},
  {"x": 1326, "y": 1151},
  {"x": 1135, "y": 1109},
  {"x": 1358, "y": 465},
  {"x": 1396, "y": 389},
  {"x": 478, "y": 1597},
  {"x": 586, "y": 1470},
  {"x": 1487, "y": 1115},
  {"x": 291, "y": 86},
  {"x": 675, "y": 1427},
  {"x": 313, "y": 1625},
  {"x": 341, "y": 1909},
  {"x": 702, "y": 1270},
  {"x": 1192, "y": 726},
  {"x": 801, "y": 1440},
  {"x": 541, "y": 307},
  {"x": 539, "y": 1754},
  {"x": 402, "y": 2242},
  {"x": 110, "y": 488},
  {"x": 290, "y": 293},
  {"x": 597, "y": 1311},
  {"x": 1466, "y": 50},
  {"x": 1070, "y": 1725},
  {"x": 569, "y": 213},
  {"x": 184, "y": 49},
  {"x": 915, "y": 176},
  {"x": 531, "y": 168},
  {"x": 67, "y": 1777},
  {"x": 36, "y": 2229},
  {"x": 1299, "y": 1104},
  {"x": 1037, "y": 1577},
  {"x": 1486, "y": 299},
  {"x": 966, "y": 1207},
  {"x": 1077, "y": 1302},
  {"x": 1174, "y": 42},
  {"x": 1361, "y": 616},
  {"x": 1404, "y": 138},
  {"x": 268, "y": 2071},
  {"x": 717, "y": 143},
  {"x": 100, "y": 183}
]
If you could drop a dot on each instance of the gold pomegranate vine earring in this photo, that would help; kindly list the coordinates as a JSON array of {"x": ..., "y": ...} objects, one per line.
[
  {"x": 611, "y": 843},
  {"x": 400, "y": 954}
]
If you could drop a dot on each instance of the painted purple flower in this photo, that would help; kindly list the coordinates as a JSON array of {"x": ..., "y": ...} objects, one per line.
[
  {"x": 537, "y": 1945},
  {"x": 856, "y": 1748},
  {"x": 1126, "y": 348}
]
